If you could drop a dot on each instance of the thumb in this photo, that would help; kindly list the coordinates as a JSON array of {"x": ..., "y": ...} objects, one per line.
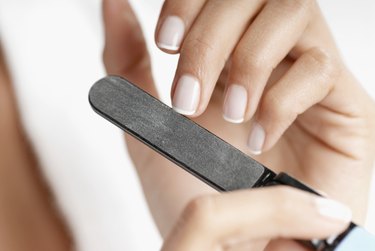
[{"x": 125, "y": 52}]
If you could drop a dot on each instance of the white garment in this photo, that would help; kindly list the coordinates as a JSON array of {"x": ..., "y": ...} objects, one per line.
[{"x": 54, "y": 51}]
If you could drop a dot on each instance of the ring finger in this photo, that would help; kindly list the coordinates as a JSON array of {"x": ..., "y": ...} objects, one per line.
[{"x": 205, "y": 50}]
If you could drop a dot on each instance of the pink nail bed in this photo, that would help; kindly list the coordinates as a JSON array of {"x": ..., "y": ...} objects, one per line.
[
  {"x": 186, "y": 96},
  {"x": 235, "y": 103}
]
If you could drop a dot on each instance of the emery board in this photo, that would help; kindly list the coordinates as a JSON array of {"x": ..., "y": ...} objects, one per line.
[{"x": 200, "y": 152}]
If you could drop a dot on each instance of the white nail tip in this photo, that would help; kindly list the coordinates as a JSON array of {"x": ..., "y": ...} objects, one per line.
[
  {"x": 255, "y": 152},
  {"x": 168, "y": 47},
  {"x": 171, "y": 33},
  {"x": 234, "y": 121},
  {"x": 333, "y": 209},
  {"x": 235, "y": 103},
  {"x": 256, "y": 139},
  {"x": 186, "y": 95}
]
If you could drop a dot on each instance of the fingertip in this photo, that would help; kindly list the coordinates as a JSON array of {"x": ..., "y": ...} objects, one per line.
[
  {"x": 256, "y": 139},
  {"x": 170, "y": 49},
  {"x": 125, "y": 52},
  {"x": 235, "y": 104},
  {"x": 256, "y": 153},
  {"x": 234, "y": 121},
  {"x": 183, "y": 112},
  {"x": 333, "y": 210},
  {"x": 170, "y": 34},
  {"x": 186, "y": 95},
  {"x": 307, "y": 216}
]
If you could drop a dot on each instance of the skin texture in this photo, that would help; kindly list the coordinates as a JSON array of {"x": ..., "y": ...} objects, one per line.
[
  {"x": 227, "y": 221},
  {"x": 28, "y": 217},
  {"x": 318, "y": 122},
  {"x": 317, "y": 118}
]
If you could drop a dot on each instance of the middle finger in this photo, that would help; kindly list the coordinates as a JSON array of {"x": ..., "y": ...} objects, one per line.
[{"x": 206, "y": 49}]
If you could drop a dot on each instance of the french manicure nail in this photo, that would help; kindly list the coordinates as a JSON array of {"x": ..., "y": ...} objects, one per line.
[
  {"x": 235, "y": 103},
  {"x": 186, "y": 96},
  {"x": 256, "y": 139},
  {"x": 333, "y": 209},
  {"x": 171, "y": 33}
]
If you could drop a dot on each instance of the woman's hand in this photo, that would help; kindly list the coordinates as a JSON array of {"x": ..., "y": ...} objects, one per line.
[
  {"x": 307, "y": 114},
  {"x": 283, "y": 74},
  {"x": 252, "y": 38},
  {"x": 247, "y": 219},
  {"x": 280, "y": 62}
]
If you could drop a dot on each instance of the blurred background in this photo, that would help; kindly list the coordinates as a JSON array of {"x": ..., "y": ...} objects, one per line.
[{"x": 53, "y": 51}]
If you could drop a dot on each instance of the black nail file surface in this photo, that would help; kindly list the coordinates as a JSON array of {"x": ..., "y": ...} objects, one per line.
[
  {"x": 181, "y": 140},
  {"x": 200, "y": 152}
]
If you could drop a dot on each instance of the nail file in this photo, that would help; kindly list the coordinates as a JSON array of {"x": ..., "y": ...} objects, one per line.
[{"x": 200, "y": 152}]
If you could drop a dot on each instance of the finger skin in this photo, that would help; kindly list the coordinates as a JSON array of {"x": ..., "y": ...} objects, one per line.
[
  {"x": 186, "y": 10},
  {"x": 308, "y": 82},
  {"x": 125, "y": 52},
  {"x": 266, "y": 213},
  {"x": 183, "y": 191},
  {"x": 273, "y": 34},
  {"x": 209, "y": 44}
]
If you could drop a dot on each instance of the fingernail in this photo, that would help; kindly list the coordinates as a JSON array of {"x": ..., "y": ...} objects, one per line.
[
  {"x": 171, "y": 33},
  {"x": 333, "y": 209},
  {"x": 186, "y": 96},
  {"x": 256, "y": 139},
  {"x": 235, "y": 103}
]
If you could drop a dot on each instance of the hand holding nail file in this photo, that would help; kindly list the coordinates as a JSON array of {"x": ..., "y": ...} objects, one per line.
[{"x": 202, "y": 153}]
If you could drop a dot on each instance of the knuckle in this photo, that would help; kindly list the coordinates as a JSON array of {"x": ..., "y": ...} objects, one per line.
[
  {"x": 319, "y": 56},
  {"x": 250, "y": 60},
  {"x": 199, "y": 54},
  {"x": 296, "y": 5},
  {"x": 324, "y": 61},
  {"x": 197, "y": 44},
  {"x": 278, "y": 107},
  {"x": 284, "y": 205},
  {"x": 199, "y": 212}
]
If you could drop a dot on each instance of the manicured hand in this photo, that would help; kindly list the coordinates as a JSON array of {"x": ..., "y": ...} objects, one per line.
[
  {"x": 253, "y": 38},
  {"x": 272, "y": 67},
  {"x": 281, "y": 76}
]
